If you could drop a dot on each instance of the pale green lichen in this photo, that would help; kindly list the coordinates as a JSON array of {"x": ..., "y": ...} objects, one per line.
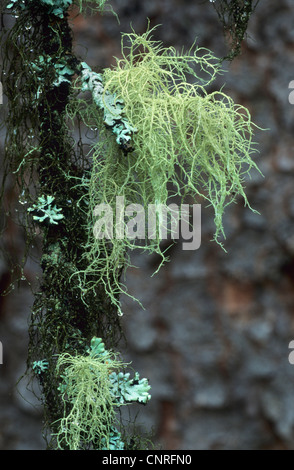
[
  {"x": 64, "y": 73},
  {"x": 62, "y": 70},
  {"x": 92, "y": 392},
  {"x": 128, "y": 390},
  {"x": 97, "y": 348},
  {"x": 44, "y": 211},
  {"x": 189, "y": 143},
  {"x": 112, "y": 107},
  {"x": 57, "y": 7},
  {"x": 94, "y": 6},
  {"x": 39, "y": 367},
  {"x": 115, "y": 442},
  {"x": 89, "y": 409}
]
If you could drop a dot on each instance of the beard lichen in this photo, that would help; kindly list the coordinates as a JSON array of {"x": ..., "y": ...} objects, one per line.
[
  {"x": 188, "y": 143},
  {"x": 92, "y": 392}
]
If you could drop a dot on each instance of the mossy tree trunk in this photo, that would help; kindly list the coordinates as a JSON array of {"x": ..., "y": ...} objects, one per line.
[{"x": 61, "y": 321}]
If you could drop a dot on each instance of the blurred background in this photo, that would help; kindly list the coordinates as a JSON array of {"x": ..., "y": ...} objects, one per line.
[{"x": 214, "y": 337}]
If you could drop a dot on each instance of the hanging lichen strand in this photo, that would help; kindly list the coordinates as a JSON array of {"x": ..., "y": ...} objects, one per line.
[
  {"x": 38, "y": 67},
  {"x": 185, "y": 142},
  {"x": 234, "y": 16}
]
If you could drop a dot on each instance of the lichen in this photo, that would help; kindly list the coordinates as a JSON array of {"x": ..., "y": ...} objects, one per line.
[
  {"x": 114, "y": 442},
  {"x": 40, "y": 366},
  {"x": 55, "y": 7},
  {"x": 129, "y": 390},
  {"x": 188, "y": 143},
  {"x": 92, "y": 392},
  {"x": 45, "y": 165},
  {"x": 44, "y": 212},
  {"x": 113, "y": 108}
]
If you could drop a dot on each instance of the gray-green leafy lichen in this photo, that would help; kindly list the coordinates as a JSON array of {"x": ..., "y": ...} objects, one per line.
[
  {"x": 63, "y": 71},
  {"x": 55, "y": 7},
  {"x": 124, "y": 389},
  {"x": 97, "y": 348},
  {"x": 40, "y": 366},
  {"x": 44, "y": 211},
  {"x": 111, "y": 106},
  {"x": 128, "y": 390},
  {"x": 115, "y": 442}
]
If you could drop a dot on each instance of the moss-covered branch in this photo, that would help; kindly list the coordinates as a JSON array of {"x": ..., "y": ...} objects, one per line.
[{"x": 234, "y": 16}]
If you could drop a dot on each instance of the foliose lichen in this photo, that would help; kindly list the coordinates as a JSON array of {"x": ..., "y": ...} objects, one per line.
[
  {"x": 112, "y": 107},
  {"x": 44, "y": 212}
]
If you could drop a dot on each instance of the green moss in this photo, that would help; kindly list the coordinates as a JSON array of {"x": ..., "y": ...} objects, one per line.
[{"x": 234, "y": 16}]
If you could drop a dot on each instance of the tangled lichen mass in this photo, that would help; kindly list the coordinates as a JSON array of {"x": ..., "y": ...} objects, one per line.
[
  {"x": 93, "y": 388},
  {"x": 188, "y": 142}
]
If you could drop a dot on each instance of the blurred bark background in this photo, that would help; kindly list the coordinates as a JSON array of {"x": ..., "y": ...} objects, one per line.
[{"x": 213, "y": 338}]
